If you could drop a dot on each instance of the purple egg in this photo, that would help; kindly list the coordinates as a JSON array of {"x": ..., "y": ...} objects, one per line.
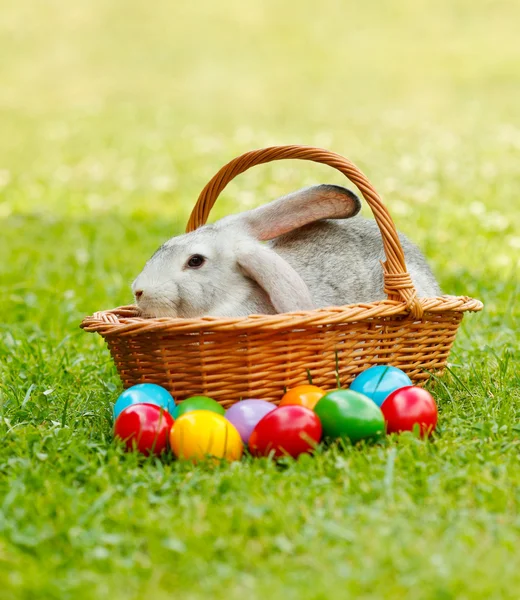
[{"x": 244, "y": 415}]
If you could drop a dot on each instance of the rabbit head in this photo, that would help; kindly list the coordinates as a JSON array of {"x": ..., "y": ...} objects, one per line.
[{"x": 224, "y": 269}]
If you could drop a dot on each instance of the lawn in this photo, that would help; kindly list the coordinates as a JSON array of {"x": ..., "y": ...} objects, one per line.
[{"x": 113, "y": 116}]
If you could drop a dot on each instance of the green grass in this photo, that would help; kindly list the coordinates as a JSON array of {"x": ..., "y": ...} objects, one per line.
[{"x": 113, "y": 117}]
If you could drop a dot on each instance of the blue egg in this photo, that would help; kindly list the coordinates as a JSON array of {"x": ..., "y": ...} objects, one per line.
[
  {"x": 379, "y": 382},
  {"x": 146, "y": 393}
]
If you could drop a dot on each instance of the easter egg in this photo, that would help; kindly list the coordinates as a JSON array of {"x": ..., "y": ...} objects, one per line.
[
  {"x": 200, "y": 434},
  {"x": 288, "y": 430},
  {"x": 350, "y": 415},
  {"x": 408, "y": 408},
  {"x": 145, "y": 393},
  {"x": 144, "y": 427},
  {"x": 379, "y": 382},
  {"x": 303, "y": 395},
  {"x": 245, "y": 415},
  {"x": 200, "y": 403}
]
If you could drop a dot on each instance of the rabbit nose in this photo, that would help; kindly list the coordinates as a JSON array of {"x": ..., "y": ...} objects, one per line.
[{"x": 138, "y": 294}]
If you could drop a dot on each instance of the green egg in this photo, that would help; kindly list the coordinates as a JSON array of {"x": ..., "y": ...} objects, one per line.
[
  {"x": 199, "y": 403},
  {"x": 350, "y": 415}
]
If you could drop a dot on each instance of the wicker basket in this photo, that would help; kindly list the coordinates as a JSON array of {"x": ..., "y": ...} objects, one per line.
[{"x": 258, "y": 356}]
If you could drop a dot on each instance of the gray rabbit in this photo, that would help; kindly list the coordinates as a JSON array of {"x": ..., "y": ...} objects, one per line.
[{"x": 318, "y": 253}]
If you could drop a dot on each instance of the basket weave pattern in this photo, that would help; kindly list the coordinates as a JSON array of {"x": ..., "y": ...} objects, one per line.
[{"x": 257, "y": 356}]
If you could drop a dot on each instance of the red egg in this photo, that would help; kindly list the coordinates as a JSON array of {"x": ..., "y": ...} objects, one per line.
[
  {"x": 288, "y": 430},
  {"x": 409, "y": 407},
  {"x": 144, "y": 427}
]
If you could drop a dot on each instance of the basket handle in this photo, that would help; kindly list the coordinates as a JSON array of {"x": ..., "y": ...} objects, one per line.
[{"x": 398, "y": 283}]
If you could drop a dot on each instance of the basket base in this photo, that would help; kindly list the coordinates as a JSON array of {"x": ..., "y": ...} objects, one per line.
[{"x": 262, "y": 363}]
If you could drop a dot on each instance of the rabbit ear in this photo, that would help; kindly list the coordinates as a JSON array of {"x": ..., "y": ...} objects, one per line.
[
  {"x": 286, "y": 289},
  {"x": 300, "y": 208}
]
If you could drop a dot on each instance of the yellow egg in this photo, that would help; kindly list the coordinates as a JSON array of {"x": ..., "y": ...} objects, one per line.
[{"x": 201, "y": 433}]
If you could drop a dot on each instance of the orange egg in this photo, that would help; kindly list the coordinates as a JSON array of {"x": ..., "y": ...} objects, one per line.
[{"x": 303, "y": 395}]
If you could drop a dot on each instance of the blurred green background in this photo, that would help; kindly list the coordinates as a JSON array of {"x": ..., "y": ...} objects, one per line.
[
  {"x": 131, "y": 107},
  {"x": 113, "y": 116},
  {"x": 128, "y": 109}
]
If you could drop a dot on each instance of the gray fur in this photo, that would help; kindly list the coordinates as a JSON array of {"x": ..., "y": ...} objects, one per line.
[
  {"x": 341, "y": 261},
  {"x": 321, "y": 262}
]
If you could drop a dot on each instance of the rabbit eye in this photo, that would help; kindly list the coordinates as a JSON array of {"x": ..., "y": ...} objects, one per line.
[{"x": 195, "y": 261}]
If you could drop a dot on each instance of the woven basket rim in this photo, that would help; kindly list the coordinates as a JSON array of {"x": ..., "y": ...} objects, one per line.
[{"x": 125, "y": 320}]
